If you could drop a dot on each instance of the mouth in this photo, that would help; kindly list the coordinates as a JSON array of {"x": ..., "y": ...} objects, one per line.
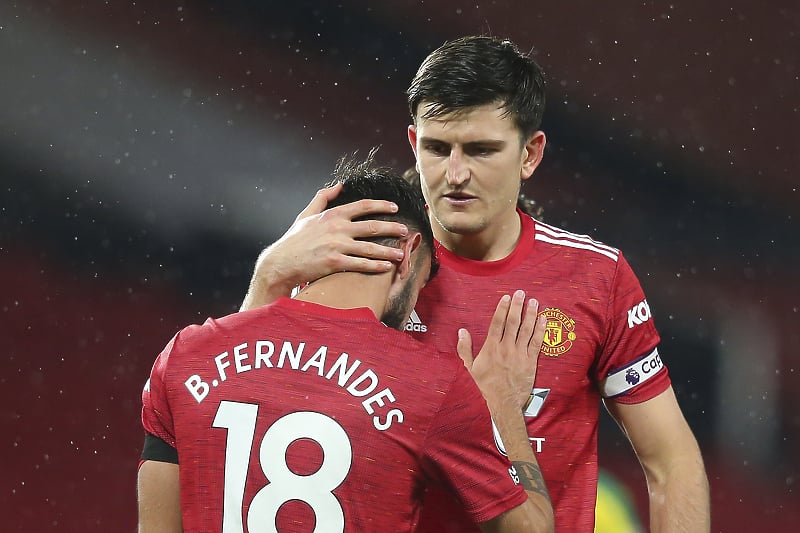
[{"x": 459, "y": 197}]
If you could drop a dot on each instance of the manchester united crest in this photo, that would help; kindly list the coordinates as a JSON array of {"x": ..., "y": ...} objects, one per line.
[{"x": 560, "y": 332}]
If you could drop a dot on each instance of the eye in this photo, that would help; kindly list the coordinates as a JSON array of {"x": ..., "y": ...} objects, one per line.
[
  {"x": 482, "y": 150},
  {"x": 438, "y": 149}
]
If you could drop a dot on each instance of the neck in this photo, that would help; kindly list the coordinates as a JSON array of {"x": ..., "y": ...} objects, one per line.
[
  {"x": 350, "y": 290},
  {"x": 493, "y": 243}
]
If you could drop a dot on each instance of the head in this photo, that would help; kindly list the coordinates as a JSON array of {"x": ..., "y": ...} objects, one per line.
[
  {"x": 476, "y": 71},
  {"x": 476, "y": 105},
  {"x": 364, "y": 180}
]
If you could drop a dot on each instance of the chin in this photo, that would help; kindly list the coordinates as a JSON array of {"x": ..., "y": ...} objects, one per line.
[
  {"x": 463, "y": 227},
  {"x": 450, "y": 221}
]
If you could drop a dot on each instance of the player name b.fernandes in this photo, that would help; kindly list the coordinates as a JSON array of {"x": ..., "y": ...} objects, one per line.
[{"x": 262, "y": 355}]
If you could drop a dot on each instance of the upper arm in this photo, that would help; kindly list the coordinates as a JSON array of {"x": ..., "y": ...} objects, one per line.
[
  {"x": 159, "y": 498},
  {"x": 657, "y": 430}
]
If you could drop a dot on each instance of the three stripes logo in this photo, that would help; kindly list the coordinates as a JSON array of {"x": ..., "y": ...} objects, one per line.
[{"x": 415, "y": 324}]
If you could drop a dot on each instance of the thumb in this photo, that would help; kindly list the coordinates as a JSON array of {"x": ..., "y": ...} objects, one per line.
[
  {"x": 464, "y": 348},
  {"x": 320, "y": 201}
]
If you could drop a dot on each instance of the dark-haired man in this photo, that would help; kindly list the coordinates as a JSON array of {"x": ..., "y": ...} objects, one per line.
[
  {"x": 476, "y": 105},
  {"x": 318, "y": 413}
]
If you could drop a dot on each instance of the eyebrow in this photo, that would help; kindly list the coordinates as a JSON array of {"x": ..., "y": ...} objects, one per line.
[{"x": 496, "y": 143}]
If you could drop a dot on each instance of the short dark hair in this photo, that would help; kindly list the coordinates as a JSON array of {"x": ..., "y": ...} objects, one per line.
[
  {"x": 478, "y": 70},
  {"x": 363, "y": 179}
]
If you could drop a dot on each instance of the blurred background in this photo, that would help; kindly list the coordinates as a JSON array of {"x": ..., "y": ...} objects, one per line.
[{"x": 149, "y": 150}]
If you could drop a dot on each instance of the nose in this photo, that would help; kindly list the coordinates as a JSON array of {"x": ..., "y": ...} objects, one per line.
[{"x": 457, "y": 169}]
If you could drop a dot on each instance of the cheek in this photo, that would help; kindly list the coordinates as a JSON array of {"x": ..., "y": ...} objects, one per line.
[
  {"x": 425, "y": 190},
  {"x": 424, "y": 167},
  {"x": 505, "y": 191},
  {"x": 429, "y": 181}
]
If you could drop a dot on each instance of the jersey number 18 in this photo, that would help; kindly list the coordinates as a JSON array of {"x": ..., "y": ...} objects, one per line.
[{"x": 316, "y": 489}]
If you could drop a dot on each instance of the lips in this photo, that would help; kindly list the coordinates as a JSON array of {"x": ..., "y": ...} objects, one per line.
[
  {"x": 459, "y": 200},
  {"x": 459, "y": 196}
]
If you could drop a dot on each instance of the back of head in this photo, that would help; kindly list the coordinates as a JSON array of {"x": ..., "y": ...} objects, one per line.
[
  {"x": 364, "y": 180},
  {"x": 474, "y": 71}
]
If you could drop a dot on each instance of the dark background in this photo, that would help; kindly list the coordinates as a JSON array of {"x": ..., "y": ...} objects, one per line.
[{"x": 149, "y": 150}]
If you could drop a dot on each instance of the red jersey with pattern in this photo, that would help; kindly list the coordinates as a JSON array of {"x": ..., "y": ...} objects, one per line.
[
  {"x": 295, "y": 414},
  {"x": 600, "y": 342}
]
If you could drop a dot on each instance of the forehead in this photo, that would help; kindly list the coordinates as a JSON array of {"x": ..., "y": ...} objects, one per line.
[{"x": 485, "y": 122}]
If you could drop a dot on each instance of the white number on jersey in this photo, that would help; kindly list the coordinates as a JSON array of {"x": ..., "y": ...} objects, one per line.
[{"x": 316, "y": 489}]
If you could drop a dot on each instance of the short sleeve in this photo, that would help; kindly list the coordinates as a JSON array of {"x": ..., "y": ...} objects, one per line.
[
  {"x": 462, "y": 456},
  {"x": 156, "y": 413},
  {"x": 630, "y": 369}
]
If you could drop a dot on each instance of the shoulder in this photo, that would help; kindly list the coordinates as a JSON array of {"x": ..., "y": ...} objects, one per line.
[
  {"x": 213, "y": 327},
  {"x": 441, "y": 370},
  {"x": 435, "y": 364},
  {"x": 581, "y": 244},
  {"x": 194, "y": 336}
]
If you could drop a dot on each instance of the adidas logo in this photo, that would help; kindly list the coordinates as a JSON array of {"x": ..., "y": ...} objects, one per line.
[{"x": 415, "y": 324}]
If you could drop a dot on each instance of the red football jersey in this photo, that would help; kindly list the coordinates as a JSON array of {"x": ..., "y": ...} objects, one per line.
[
  {"x": 296, "y": 414},
  {"x": 600, "y": 342}
]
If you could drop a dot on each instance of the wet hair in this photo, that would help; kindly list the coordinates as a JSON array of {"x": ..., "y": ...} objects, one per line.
[
  {"x": 363, "y": 179},
  {"x": 525, "y": 203},
  {"x": 478, "y": 70}
]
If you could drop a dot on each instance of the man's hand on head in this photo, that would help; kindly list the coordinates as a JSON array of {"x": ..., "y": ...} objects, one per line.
[{"x": 323, "y": 241}]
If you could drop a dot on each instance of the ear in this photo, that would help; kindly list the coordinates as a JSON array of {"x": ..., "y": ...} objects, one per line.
[
  {"x": 410, "y": 244},
  {"x": 533, "y": 151},
  {"x": 412, "y": 140}
]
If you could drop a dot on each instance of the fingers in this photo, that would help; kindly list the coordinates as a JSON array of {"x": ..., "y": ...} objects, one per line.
[
  {"x": 370, "y": 250},
  {"x": 535, "y": 345},
  {"x": 378, "y": 228},
  {"x": 342, "y": 217},
  {"x": 366, "y": 207},
  {"x": 514, "y": 317},
  {"x": 528, "y": 325},
  {"x": 348, "y": 263},
  {"x": 498, "y": 322},
  {"x": 464, "y": 348},
  {"x": 335, "y": 242},
  {"x": 320, "y": 201},
  {"x": 522, "y": 326}
]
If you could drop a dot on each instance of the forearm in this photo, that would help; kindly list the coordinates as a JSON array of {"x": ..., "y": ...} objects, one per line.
[
  {"x": 267, "y": 284},
  {"x": 513, "y": 431},
  {"x": 159, "y": 499},
  {"x": 672, "y": 463},
  {"x": 679, "y": 497}
]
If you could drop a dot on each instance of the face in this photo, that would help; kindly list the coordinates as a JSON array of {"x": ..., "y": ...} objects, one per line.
[
  {"x": 403, "y": 301},
  {"x": 471, "y": 166}
]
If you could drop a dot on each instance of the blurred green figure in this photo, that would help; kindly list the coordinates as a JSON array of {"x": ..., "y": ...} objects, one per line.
[{"x": 615, "y": 511}]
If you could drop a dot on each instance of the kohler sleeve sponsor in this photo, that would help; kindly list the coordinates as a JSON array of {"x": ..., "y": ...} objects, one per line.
[{"x": 639, "y": 314}]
